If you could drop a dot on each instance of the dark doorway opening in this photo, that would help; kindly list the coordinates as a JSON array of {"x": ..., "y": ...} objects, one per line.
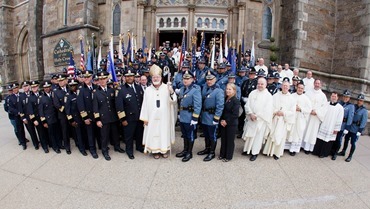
[
  {"x": 209, "y": 35},
  {"x": 171, "y": 36}
]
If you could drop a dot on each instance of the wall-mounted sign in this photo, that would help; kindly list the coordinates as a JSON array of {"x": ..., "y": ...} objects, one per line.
[{"x": 62, "y": 53}]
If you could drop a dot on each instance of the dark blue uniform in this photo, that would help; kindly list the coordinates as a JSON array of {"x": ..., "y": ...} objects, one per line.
[
  {"x": 13, "y": 111},
  {"x": 23, "y": 103},
  {"x": 128, "y": 105},
  {"x": 59, "y": 103},
  {"x": 48, "y": 115},
  {"x": 349, "y": 110}
]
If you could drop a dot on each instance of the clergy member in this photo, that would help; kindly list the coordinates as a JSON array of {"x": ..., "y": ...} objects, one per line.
[
  {"x": 258, "y": 110},
  {"x": 329, "y": 127},
  {"x": 157, "y": 113},
  {"x": 284, "y": 109},
  {"x": 319, "y": 104},
  {"x": 303, "y": 110}
]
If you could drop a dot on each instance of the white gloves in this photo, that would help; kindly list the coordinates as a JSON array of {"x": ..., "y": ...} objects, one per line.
[
  {"x": 214, "y": 123},
  {"x": 358, "y": 134},
  {"x": 345, "y": 131},
  {"x": 177, "y": 91},
  {"x": 193, "y": 122}
]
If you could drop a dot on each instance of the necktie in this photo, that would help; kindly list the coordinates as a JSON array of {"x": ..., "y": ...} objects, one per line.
[{"x": 132, "y": 85}]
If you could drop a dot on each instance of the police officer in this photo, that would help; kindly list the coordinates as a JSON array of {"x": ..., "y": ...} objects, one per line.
[
  {"x": 23, "y": 102},
  {"x": 349, "y": 111},
  {"x": 58, "y": 100},
  {"x": 13, "y": 110},
  {"x": 355, "y": 130},
  {"x": 190, "y": 100},
  {"x": 54, "y": 81},
  {"x": 6, "y": 108},
  {"x": 213, "y": 104},
  {"x": 222, "y": 75},
  {"x": 201, "y": 72},
  {"x": 276, "y": 81},
  {"x": 85, "y": 107},
  {"x": 105, "y": 114},
  {"x": 271, "y": 87},
  {"x": 177, "y": 82},
  {"x": 129, "y": 98},
  {"x": 48, "y": 116},
  {"x": 241, "y": 76}
]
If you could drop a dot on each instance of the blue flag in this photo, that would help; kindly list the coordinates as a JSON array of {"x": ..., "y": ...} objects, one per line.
[
  {"x": 144, "y": 46},
  {"x": 203, "y": 45},
  {"x": 193, "y": 58},
  {"x": 233, "y": 62},
  {"x": 89, "y": 66},
  {"x": 129, "y": 49}
]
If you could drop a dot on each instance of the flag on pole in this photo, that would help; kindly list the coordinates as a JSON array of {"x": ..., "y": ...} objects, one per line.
[
  {"x": 243, "y": 51},
  {"x": 220, "y": 55},
  {"x": 129, "y": 48},
  {"x": 150, "y": 51},
  {"x": 193, "y": 55},
  {"x": 71, "y": 67},
  {"x": 226, "y": 46},
  {"x": 110, "y": 66},
  {"x": 213, "y": 53},
  {"x": 144, "y": 46},
  {"x": 202, "y": 45},
  {"x": 89, "y": 65},
  {"x": 253, "y": 57},
  {"x": 99, "y": 57},
  {"x": 233, "y": 61},
  {"x": 82, "y": 60},
  {"x": 183, "y": 49},
  {"x": 132, "y": 48},
  {"x": 120, "y": 52}
]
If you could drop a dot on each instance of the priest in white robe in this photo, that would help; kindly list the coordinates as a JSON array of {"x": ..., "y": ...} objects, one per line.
[
  {"x": 317, "y": 115},
  {"x": 329, "y": 127},
  {"x": 157, "y": 113},
  {"x": 303, "y": 110},
  {"x": 258, "y": 110},
  {"x": 282, "y": 122}
]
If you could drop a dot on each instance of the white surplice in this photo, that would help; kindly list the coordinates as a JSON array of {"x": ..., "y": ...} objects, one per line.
[{"x": 332, "y": 122}]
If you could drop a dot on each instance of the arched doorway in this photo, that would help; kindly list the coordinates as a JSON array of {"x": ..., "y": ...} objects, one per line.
[{"x": 24, "y": 59}]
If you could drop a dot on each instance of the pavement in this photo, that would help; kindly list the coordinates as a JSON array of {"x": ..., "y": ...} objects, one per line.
[{"x": 32, "y": 179}]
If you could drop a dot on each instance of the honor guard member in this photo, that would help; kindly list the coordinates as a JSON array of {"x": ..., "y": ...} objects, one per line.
[
  {"x": 135, "y": 65},
  {"x": 190, "y": 100},
  {"x": 13, "y": 110},
  {"x": 162, "y": 60},
  {"x": 293, "y": 87},
  {"x": 276, "y": 81},
  {"x": 349, "y": 111},
  {"x": 177, "y": 82},
  {"x": 6, "y": 108},
  {"x": 85, "y": 107},
  {"x": 48, "y": 116},
  {"x": 33, "y": 111},
  {"x": 212, "y": 106},
  {"x": 222, "y": 76},
  {"x": 129, "y": 98},
  {"x": 247, "y": 87},
  {"x": 241, "y": 76},
  {"x": 73, "y": 115},
  {"x": 146, "y": 74},
  {"x": 23, "y": 111},
  {"x": 201, "y": 72},
  {"x": 105, "y": 114},
  {"x": 355, "y": 130},
  {"x": 58, "y": 100},
  {"x": 54, "y": 81},
  {"x": 271, "y": 87},
  {"x": 154, "y": 59}
]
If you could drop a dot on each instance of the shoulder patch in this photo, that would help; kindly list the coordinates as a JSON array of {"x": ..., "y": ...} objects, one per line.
[
  {"x": 80, "y": 87},
  {"x": 55, "y": 89}
]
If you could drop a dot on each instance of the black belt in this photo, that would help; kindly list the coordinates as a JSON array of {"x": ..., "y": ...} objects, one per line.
[
  {"x": 210, "y": 110},
  {"x": 190, "y": 108},
  {"x": 358, "y": 123}
]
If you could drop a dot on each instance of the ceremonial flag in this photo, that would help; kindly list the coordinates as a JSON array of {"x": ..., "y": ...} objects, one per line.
[
  {"x": 89, "y": 65},
  {"x": 150, "y": 52},
  {"x": 193, "y": 57},
  {"x": 243, "y": 51},
  {"x": 110, "y": 66},
  {"x": 183, "y": 49},
  {"x": 133, "y": 49},
  {"x": 120, "y": 52},
  {"x": 233, "y": 61},
  {"x": 226, "y": 46},
  {"x": 220, "y": 55},
  {"x": 71, "y": 67},
  {"x": 99, "y": 57},
  {"x": 129, "y": 48},
  {"x": 144, "y": 46},
  {"x": 213, "y": 53},
  {"x": 202, "y": 45},
  {"x": 253, "y": 57},
  {"x": 82, "y": 60}
]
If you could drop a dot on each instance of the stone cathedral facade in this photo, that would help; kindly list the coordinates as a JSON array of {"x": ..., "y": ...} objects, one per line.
[{"x": 329, "y": 37}]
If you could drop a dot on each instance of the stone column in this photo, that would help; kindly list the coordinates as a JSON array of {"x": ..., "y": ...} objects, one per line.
[
  {"x": 241, "y": 6},
  {"x": 230, "y": 24},
  {"x": 153, "y": 25},
  {"x": 301, "y": 34},
  {"x": 191, "y": 28},
  {"x": 140, "y": 23}
]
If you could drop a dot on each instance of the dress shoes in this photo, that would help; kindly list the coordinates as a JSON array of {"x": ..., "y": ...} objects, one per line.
[
  {"x": 292, "y": 153},
  {"x": 57, "y": 151},
  {"x": 37, "y": 148},
  {"x": 253, "y": 157},
  {"x": 140, "y": 150},
  {"x": 245, "y": 153},
  {"x": 306, "y": 152},
  {"x": 83, "y": 152},
  {"x": 62, "y": 147},
  {"x": 239, "y": 136},
  {"x": 46, "y": 150},
  {"x": 107, "y": 157},
  {"x": 209, "y": 157},
  {"x": 24, "y": 147},
  {"x": 187, "y": 157},
  {"x": 321, "y": 156},
  {"x": 181, "y": 154},
  {"x": 119, "y": 149},
  {"x": 68, "y": 152},
  {"x": 94, "y": 155},
  {"x": 276, "y": 157},
  {"x": 131, "y": 157},
  {"x": 349, "y": 158},
  {"x": 342, "y": 153},
  {"x": 203, "y": 152},
  {"x": 334, "y": 157}
]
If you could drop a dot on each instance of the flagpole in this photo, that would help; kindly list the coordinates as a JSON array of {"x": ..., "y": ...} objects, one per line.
[{"x": 93, "y": 51}]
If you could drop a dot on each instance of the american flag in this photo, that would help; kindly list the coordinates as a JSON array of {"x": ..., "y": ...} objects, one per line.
[
  {"x": 110, "y": 64},
  {"x": 203, "y": 45},
  {"x": 82, "y": 61},
  {"x": 71, "y": 67},
  {"x": 183, "y": 49}
]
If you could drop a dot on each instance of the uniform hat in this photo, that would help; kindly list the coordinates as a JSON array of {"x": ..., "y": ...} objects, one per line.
[
  {"x": 137, "y": 74},
  {"x": 135, "y": 62},
  {"x": 140, "y": 50},
  {"x": 86, "y": 73},
  {"x": 119, "y": 61},
  {"x": 210, "y": 75},
  {"x": 188, "y": 55},
  {"x": 286, "y": 79},
  {"x": 72, "y": 82},
  {"x": 361, "y": 97},
  {"x": 346, "y": 93},
  {"x": 187, "y": 74},
  {"x": 46, "y": 84},
  {"x": 35, "y": 83},
  {"x": 110, "y": 82},
  {"x": 115, "y": 52},
  {"x": 270, "y": 75},
  {"x": 95, "y": 77},
  {"x": 154, "y": 56},
  {"x": 295, "y": 78},
  {"x": 118, "y": 72},
  {"x": 54, "y": 76},
  {"x": 78, "y": 72},
  {"x": 70, "y": 76},
  {"x": 15, "y": 85},
  {"x": 222, "y": 66},
  {"x": 277, "y": 75},
  {"x": 102, "y": 62},
  {"x": 162, "y": 54},
  {"x": 185, "y": 64},
  {"x": 9, "y": 87},
  {"x": 145, "y": 70},
  {"x": 130, "y": 72},
  {"x": 252, "y": 70},
  {"x": 243, "y": 69},
  {"x": 231, "y": 75},
  {"x": 61, "y": 77},
  {"x": 228, "y": 64},
  {"x": 103, "y": 74},
  {"x": 201, "y": 61},
  {"x": 261, "y": 73},
  {"x": 273, "y": 64},
  {"x": 25, "y": 83},
  {"x": 64, "y": 70},
  {"x": 149, "y": 63},
  {"x": 140, "y": 56},
  {"x": 301, "y": 82},
  {"x": 155, "y": 70}
]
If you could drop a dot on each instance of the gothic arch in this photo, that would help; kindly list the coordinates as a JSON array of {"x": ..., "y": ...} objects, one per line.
[{"x": 23, "y": 69}]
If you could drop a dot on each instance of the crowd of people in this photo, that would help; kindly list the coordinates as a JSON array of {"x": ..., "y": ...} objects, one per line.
[{"x": 271, "y": 108}]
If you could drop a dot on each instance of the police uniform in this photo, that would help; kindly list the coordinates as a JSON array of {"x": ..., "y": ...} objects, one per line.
[
  {"x": 33, "y": 112},
  {"x": 212, "y": 106},
  {"x": 177, "y": 80},
  {"x": 13, "y": 111},
  {"x": 59, "y": 103},
  {"x": 105, "y": 112},
  {"x": 239, "y": 80},
  {"x": 74, "y": 117},
  {"x": 201, "y": 74},
  {"x": 356, "y": 128},
  {"x": 49, "y": 118},
  {"x": 190, "y": 105},
  {"x": 349, "y": 110},
  {"x": 271, "y": 87},
  {"x": 129, "y": 99}
]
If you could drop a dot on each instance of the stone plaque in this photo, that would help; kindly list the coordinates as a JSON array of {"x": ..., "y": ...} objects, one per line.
[{"x": 62, "y": 53}]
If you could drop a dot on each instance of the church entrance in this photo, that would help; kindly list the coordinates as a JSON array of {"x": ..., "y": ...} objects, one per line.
[{"x": 168, "y": 38}]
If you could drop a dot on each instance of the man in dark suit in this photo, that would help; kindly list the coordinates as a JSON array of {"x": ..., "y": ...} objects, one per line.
[
  {"x": 129, "y": 98},
  {"x": 48, "y": 116},
  {"x": 105, "y": 114},
  {"x": 58, "y": 100},
  {"x": 85, "y": 107}
]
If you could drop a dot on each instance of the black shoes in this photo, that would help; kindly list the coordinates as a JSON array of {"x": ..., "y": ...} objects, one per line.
[
  {"x": 131, "y": 157},
  {"x": 106, "y": 156},
  {"x": 321, "y": 156},
  {"x": 119, "y": 149},
  {"x": 253, "y": 157},
  {"x": 276, "y": 157},
  {"x": 140, "y": 150},
  {"x": 46, "y": 150},
  {"x": 292, "y": 153},
  {"x": 57, "y": 151},
  {"x": 68, "y": 152},
  {"x": 349, "y": 158},
  {"x": 37, "y": 148},
  {"x": 181, "y": 154},
  {"x": 24, "y": 147},
  {"x": 203, "y": 152},
  {"x": 209, "y": 157},
  {"x": 187, "y": 157},
  {"x": 307, "y": 152},
  {"x": 94, "y": 155},
  {"x": 245, "y": 153},
  {"x": 239, "y": 136},
  {"x": 342, "y": 153},
  {"x": 334, "y": 157},
  {"x": 83, "y": 152}
]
